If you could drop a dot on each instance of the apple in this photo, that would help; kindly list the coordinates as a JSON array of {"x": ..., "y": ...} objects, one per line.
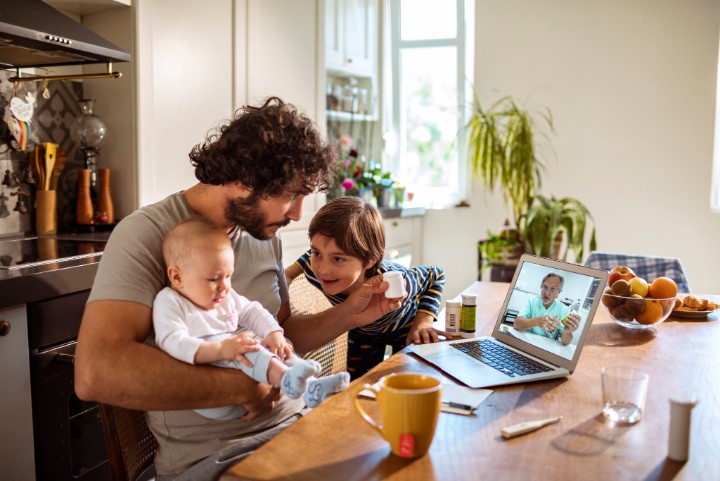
[
  {"x": 620, "y": 272},
  {"x": 639, "y": 286}
]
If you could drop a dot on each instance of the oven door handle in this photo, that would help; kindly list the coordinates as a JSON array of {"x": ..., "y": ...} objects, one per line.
[{"x": 66, "y": 358}]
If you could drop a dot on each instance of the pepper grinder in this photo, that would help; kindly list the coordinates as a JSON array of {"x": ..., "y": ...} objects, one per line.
[{"x": 679, "y": 437}]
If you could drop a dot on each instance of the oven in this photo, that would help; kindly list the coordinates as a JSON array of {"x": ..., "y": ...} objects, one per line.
[{"x": 69, "y": 443}]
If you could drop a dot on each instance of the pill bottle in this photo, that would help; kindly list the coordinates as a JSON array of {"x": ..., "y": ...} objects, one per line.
[
  {"x": 680, "y": 421},
  {"x": 452, "y": 317},
  {"x": 467, "y": 316},
  {"x": 396, "y": 283}
]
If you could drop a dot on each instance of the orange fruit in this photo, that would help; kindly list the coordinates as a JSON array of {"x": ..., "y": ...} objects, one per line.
[
  {"x": 652, "y": 314},
  {"x": 663, "y": 288}
]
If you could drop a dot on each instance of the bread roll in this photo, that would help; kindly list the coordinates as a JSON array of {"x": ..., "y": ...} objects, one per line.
[{"x": 691, "y": 301}]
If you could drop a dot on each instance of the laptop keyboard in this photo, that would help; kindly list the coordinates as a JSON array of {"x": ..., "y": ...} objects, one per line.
[{"x": 501, "y": 358}]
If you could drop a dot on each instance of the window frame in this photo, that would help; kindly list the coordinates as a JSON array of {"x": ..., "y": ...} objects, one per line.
[{"x": 393, "y": 136}]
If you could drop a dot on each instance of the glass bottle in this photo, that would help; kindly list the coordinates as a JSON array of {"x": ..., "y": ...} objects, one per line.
[{"x": 90, "y": 130}]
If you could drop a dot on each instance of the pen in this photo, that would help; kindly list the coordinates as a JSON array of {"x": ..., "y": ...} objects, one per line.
[{"x": 458, "y": 405}]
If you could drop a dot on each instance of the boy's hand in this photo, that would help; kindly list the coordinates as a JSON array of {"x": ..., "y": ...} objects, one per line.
[
  {"x": 278, "y": 345},
  {"x": 423, "y": 332},
  {"x": 234, "y": 348}
]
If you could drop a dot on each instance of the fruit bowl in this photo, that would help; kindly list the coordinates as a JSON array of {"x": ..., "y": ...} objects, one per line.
[{"x": 637, "y": 312}]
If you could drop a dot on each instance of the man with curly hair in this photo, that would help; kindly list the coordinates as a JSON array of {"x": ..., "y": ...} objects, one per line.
[{"x": 253, "y": 176}]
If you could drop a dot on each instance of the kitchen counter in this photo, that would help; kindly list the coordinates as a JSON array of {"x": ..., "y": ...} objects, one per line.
[
  {"x": 22, "y": 285},
  {"x": 403, "y": 212}
]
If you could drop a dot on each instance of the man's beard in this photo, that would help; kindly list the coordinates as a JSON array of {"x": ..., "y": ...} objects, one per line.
[{"x": 247, "y": 214}]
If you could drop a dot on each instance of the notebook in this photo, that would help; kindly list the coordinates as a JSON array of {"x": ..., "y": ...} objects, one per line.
[{"x": 511, "y": 355}]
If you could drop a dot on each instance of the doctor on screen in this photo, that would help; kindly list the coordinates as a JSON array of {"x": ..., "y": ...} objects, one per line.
[{"x": 546, "y": 316}]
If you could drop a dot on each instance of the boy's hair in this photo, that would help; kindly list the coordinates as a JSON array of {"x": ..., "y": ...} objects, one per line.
[
  {"x": 185, "y": 239},
  {"x": 355, "y": 226},
  {"x": 267, "y": 149}
]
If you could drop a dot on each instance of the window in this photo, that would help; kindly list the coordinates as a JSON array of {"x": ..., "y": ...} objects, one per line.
[
  {"x": 715, "y": 186},
  {"x": 427, "y": 90}
]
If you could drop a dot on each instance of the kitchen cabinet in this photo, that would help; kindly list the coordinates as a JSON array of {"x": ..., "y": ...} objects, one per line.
[
  {"x": 17, "y": 456},
  {"x": 283, "y": 58},
  {"x": 352, "y": 30},
  {"x": 403, "y": 240},
  {"x": 192, "y": 67},
  {"x": 351, "y": 36}
]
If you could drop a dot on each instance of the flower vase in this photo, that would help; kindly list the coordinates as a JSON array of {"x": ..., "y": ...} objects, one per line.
[
  {"x": 367, "y": 194},
  {"x": 335, "y": 191}
]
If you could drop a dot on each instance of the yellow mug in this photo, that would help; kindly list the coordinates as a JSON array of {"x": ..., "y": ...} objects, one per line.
[{"x": 410, "y": 407}]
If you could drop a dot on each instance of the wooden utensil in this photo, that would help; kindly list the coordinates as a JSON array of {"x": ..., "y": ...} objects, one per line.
[
  {"x": 39, "y": 167},
  {"x": 60, "y": 160},
  {"x": 50, "y": 156}
]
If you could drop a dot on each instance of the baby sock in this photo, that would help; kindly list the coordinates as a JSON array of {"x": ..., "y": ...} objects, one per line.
[
  {"x": 320, "y": 389},
  {"x": 294, "y": 381}
]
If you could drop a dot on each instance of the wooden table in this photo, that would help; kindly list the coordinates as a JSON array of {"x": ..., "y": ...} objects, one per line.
[{"x": 334, "y": 443}]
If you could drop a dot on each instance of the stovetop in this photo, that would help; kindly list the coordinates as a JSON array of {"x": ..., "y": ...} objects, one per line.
[{"x": 34, "y": 251}]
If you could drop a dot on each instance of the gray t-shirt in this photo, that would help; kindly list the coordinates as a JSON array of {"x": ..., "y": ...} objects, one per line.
[{"x": 132, "y": 269}]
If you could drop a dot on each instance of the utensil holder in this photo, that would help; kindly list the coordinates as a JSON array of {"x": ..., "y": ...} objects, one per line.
[{"x": 46, "y": 211}]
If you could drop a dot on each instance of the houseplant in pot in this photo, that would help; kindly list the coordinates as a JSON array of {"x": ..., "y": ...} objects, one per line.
[
  {"x": 502, "y": 151},
  {"x": 549, "y": 224}
]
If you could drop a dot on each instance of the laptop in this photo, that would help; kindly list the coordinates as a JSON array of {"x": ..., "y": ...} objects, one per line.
[{"x": 511, "y": 355}]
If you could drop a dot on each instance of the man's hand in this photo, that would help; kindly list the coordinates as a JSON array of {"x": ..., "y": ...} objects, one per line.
[
  {"x": 368, "y": 303},
  {"x": 548, "y": 323},
  {"x": 572, "y": 322},
  {"x": 263, "y": 401}
]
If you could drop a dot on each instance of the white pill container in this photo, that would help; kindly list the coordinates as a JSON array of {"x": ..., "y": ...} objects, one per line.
[{"x": 396, "y": 283}]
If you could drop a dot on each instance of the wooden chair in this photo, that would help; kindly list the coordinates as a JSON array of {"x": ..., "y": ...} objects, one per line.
[
  {"x": 130, "y": 444},
  {"x": 306, "y": 299}
]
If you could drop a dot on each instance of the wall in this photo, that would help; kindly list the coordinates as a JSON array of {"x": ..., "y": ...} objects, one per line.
[
  {"x": 631, "y": 86},
  {"x": 183, "y": 63}
]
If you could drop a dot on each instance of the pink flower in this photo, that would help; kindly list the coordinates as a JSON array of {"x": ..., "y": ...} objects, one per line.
[
  {"x": 348, "y": 184},
  {"x": 345, "y": 141}
]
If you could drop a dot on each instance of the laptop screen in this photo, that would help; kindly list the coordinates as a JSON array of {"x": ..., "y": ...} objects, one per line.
[{"x": 550, "y": 305}]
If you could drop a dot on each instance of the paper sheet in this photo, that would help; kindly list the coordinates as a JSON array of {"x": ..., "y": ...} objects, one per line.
[{"x": 453, "y": 393}]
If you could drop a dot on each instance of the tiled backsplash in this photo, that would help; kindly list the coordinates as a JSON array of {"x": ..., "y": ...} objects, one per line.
[{"x": 51, "y": 122}]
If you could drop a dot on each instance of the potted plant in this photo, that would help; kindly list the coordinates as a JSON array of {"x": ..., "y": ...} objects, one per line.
[
  {"x": 548, "y": 223},
  {"x": 501, "y": 143}
]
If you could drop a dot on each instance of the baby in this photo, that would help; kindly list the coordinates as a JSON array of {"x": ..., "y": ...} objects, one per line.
[{"x": 196, "y": 320}]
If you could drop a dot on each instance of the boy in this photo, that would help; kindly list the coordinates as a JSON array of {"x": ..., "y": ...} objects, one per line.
[{"x": 347, "y": 243}]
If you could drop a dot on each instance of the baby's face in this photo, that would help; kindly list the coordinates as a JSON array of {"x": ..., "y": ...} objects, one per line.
[
  {"x": 338, "y": 272},
  {"x": 205, "y": 278}
]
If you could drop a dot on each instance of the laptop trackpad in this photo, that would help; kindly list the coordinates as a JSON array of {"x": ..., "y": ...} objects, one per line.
[{"x": 471, "y": 372}]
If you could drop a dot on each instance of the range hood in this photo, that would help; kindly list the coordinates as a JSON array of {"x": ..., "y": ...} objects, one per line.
[{"x": 34, "y": 34}]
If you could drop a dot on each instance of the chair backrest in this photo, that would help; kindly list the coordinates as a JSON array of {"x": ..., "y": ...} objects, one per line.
[
  {"x": 130, "y": 444},
  {"x": 647, "y": 267},
  {"x": 307, "y": 299}
]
